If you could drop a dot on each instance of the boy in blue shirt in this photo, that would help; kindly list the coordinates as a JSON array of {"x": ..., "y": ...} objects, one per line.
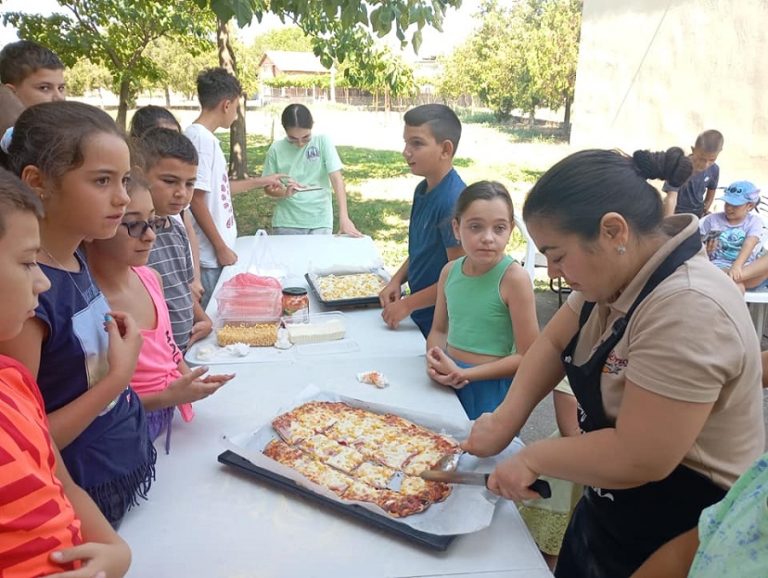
[
  {"x": 697, "y": 193},
  {"x": 431, "y": 135}
]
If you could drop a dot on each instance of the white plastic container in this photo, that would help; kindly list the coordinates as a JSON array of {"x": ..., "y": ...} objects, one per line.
[{"x": 318, "y": 328}]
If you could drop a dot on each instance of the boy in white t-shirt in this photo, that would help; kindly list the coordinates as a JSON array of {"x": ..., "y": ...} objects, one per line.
[
  {"x": 214, "y": 216},
  {"x": 732, "y": 236}
]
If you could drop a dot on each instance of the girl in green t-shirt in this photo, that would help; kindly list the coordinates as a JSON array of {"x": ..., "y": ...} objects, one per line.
[{"x": 312, "y": 160}]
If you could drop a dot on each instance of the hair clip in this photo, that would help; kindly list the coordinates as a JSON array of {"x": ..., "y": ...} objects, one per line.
[{"x": 5, "y": 141}]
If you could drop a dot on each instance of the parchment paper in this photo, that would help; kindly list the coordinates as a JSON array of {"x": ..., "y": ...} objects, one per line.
[{"x": 467, "y": 509}]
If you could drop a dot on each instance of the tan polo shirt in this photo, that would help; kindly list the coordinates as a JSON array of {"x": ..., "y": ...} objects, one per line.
[{"x": 691, "y": 339}]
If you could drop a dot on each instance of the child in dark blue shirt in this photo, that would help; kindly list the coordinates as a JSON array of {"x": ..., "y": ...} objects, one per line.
[
  {"x": 432, "y": 133},
  {"x": 698, "y": 192}
]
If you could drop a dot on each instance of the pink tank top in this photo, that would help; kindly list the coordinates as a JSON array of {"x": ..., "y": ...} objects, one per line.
[{"x": 159, "y": 357}]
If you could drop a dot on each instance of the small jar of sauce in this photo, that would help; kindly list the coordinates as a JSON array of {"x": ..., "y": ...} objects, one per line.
[{"x": 296, "y": 302}]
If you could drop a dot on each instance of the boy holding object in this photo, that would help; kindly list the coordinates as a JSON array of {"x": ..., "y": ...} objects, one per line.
[
  {"x": 431, "y": 134},
  {"x": 214, "y": 216}
]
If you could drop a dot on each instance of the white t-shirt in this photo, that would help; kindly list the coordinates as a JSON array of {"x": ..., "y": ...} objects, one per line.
[{"x": 212, "y": 178}]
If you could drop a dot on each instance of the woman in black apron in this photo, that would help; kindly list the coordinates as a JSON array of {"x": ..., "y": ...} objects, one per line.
[{"x": 600, "y": 225}]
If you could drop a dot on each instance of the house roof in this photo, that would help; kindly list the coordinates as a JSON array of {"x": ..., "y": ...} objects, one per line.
[{"x": 294, "y": 61}]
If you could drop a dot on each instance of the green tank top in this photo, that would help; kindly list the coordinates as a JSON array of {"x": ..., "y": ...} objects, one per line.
[{"x": 478, "y": 320}]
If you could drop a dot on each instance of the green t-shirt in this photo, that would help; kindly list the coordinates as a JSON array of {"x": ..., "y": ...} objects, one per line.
[{"x": 308, "y": 165}]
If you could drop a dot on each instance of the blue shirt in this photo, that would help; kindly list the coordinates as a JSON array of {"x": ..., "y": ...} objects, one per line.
[
  {"x": 690, "y": 196},
  {"x": 113, "y": 458},
  {"x": 430, "y": 234}
]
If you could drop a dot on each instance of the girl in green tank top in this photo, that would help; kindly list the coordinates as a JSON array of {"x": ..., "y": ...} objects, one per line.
[{"x": 485, "y": 315}]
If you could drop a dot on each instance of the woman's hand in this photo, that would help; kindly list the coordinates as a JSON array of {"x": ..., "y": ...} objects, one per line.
[
  {"x": 124, "y": 345},
  {"x": 512, "y": 477},
  {"x": 736, "y": 273},
  {"x": 488, "y": 437},
  {"x": 444, "y": 370},
  {"x": 98, "y": 560},
  {"x": 347, "y": 227}
]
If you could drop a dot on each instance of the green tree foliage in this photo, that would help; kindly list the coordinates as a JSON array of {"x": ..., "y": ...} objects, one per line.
[
  {"x": 338, "y": 28},
  {"x": 177, "y": 68},
  {"x": 290, "y": 38},
  {"x": 521, "y": 57},
  {"x": 115, "y": 34},
  {"x": 381, "y": 72},
  {"x": 85, "y": 76}
]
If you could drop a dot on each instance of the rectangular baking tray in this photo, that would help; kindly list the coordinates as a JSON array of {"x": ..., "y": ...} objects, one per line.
[
  {"x": 353, "y": 302},
  {"x": 407, "y": 533}
]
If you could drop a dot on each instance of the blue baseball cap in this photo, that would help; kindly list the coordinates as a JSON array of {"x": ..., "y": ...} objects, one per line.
[{"x": 741, "y": 193}]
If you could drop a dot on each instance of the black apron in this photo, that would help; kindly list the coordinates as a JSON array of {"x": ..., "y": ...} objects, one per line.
[{"x": 612, "y": 532}]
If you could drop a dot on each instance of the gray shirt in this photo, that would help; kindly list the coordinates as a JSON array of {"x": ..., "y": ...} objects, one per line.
[{"x": 172, "y": 259}]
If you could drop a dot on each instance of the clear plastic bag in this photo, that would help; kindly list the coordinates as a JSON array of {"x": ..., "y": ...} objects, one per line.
[{"x": 263, "y": 262}]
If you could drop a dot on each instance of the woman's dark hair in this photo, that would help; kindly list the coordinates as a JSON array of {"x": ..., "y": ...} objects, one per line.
[
  {"x": 483, "y": 191},
  {"x": 16, "y": 195},
  {"x": 51, "y": 136},
  {"x": 151, "y": 116},
  {"x": 576, "y": 192},
  {"x": 296, "y": 116}
]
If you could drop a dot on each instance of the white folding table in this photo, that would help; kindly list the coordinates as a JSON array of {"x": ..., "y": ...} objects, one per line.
[{"x": 206, "y": 520}]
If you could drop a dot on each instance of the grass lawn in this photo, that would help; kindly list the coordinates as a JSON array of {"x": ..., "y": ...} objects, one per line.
[{"x": 386, "y": 218}]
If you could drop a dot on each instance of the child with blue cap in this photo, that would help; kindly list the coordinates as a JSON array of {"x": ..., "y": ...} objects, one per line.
[{"x": 733, "y": 235}]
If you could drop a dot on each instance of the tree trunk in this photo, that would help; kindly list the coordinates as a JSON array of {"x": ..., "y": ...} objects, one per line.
[
  {"x": 122, "y": 106},
  {"x": 167, "y": 97},
  {"x": 567, "y": 117},
  {"x": 238, "y": 161}
]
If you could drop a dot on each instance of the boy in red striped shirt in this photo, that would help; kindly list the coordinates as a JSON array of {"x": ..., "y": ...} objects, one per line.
[{"x": 48, "y": 525}]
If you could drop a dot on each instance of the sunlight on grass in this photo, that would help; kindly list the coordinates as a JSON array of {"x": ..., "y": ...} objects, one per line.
[{"x": 384, "y": 219}]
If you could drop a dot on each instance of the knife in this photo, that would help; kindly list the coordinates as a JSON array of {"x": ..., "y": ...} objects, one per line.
[{"x": 479, "y": 479}]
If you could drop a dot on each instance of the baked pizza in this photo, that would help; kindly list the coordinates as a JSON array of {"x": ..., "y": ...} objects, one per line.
[
  {"x": 352, "y": 286},
  {"x": 361, "y": 455}
]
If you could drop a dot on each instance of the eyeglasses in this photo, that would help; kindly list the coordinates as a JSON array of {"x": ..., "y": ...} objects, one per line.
[{"x": 136, "y": 229}]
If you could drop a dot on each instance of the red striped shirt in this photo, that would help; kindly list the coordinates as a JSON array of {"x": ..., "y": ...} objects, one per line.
[{"x": 36, "y": 517}]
